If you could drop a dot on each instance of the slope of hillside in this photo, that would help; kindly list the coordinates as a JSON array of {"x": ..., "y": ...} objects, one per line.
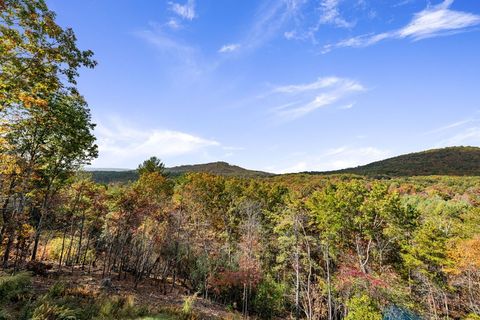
[
  {"x": 101, "y": 176},
  {"x": 451, "y": 161},
  {"x": 218, "y": 168}
]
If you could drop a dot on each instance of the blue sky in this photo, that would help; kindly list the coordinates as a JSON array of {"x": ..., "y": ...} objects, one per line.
[{"x": 278, "y": 85}]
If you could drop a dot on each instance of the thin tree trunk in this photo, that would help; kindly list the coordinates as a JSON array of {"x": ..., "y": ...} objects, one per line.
[
  {"x": 80, "y": 239},
  {"x": 297, "y": 271},
  {"x": 63, "y": 247},
  {"x": 445, "y": 300},
  {"x": 8, "y": 247},
  {"x": 50, "y": 236},
  {"x": 11, "y": 229},
  {"x": 72, "y": 234},
  {"x": 329, "y": 289},
  {"x": 38, "y": 232},
  {"x": 5, "y": 216},
  {"x": 86, "y": 252}
]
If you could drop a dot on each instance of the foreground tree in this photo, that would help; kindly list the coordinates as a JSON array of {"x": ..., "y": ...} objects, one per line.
[
  {"x": 37, "y": 56},
  {"x": 45, "y": 133}
]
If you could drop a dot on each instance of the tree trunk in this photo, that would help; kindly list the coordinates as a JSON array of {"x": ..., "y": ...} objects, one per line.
[
  {"x": 8, "y": 247},
  {"x": 38, "y": 231},
  {"x": 72, "y": 234},
  {"x": 77, "y": 260},
  {"x": 86, "y": 252},
  {"x": 63, "y": 247},
  {"x": 5, "y": 216},
  {"x": 297, "y": 271},
  {"x": 329, "y": 289},
  {"x": 50, "y": 236}
]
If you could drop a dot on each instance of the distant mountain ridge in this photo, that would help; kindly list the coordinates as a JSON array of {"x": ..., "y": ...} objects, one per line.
[
  {"x": 450, "y": 161},
  {"x": 218, "y": 168}
]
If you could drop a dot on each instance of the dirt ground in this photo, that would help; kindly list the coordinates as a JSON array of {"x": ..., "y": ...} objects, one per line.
[{"x": 148, "y": 292}]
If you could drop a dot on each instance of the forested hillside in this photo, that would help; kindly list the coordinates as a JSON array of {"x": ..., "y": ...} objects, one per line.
[
  {"x": 452, "y": 161},
  {"x": 230, "y": 245},
  {"x": 218, "y": 168}
]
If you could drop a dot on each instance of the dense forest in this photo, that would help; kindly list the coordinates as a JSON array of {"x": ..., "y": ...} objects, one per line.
[{"x": 199, "y": 245}]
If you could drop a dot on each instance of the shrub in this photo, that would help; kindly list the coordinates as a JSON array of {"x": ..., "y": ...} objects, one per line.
[
  {"x": 56, "y": 290},
  {"x": 120, "y": 308},
  {"x": 362, "y": 307},
  {"x": 49, "y": 311},
  {"x": 4, "y": 315},
  {"x": 14, "y": 287},
  {"x": 269, "y": 300},
  {"x": 187, "y": 308}
]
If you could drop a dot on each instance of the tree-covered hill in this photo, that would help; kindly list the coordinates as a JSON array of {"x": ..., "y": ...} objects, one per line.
[
  {"x": 218, "y": 168},
  {"x": 451, "y": 161}
]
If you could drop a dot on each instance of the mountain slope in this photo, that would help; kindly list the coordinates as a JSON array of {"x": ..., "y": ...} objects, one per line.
[
  {"x": 451, "y": 161},
  {"x": 218, "y": 168}
]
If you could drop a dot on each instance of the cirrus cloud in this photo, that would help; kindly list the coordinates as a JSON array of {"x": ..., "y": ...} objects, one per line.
[
  {"x": 301, "y": 99},
  {"x": 229, "y": 48},
  {"x": 431, "y": 22},
  {"x": 185, "y": 11}
]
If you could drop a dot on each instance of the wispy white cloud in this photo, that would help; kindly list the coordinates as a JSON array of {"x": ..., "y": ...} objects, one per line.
[
  {"x": 267, "y": 22},
  {"x": 273, "y": 15},
  {"x": 334, "y": 159},
  {"x": 402, "y": 3},
  {"x": 229, "y": 48},
  {"x": 308, "y": 97},
  {"x": 453, "y": 125},
  {"x": 358, "y": 41},
  {"x": 165, "y": 43},
  {"x": 331, "y": 14},
  {"x": 122, "y": 145},
  {"x": 461, "y": 132},
  {"x": 290, "y": 34},
  {"x": 320, "y": 83},
  {"x": 468, "y": 136},
  {"x": 438, "y": 20},
  {"x": 431, "y": 22},
  {"x": 347, "y": 106},
  {"x": 173, "y": 23},
  {"x": 327, "y": 12},
  {"x": 186, "y": 11},
  {"x": 185, "y": 60}
]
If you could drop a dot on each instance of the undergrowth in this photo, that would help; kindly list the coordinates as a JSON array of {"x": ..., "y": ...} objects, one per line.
[{"x": 62, "y": 301}]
